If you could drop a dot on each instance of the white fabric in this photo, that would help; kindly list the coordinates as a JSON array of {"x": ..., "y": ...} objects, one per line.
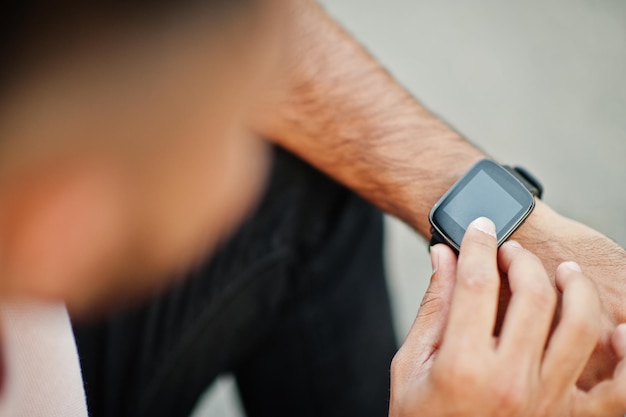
[{"x": 42, "y": 372}]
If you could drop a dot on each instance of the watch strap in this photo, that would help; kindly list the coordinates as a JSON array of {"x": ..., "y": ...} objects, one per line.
[
  {"x": 527, "y": 179},
  {"x": 437, "y": 239}
]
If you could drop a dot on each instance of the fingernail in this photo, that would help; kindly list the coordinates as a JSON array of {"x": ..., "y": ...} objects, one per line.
[
  {"x": 514, "y": 244},
  {"x": 484, "y": 225},
  {"x": 573, "y": 266},
  {"x": 434, "y": 258}
]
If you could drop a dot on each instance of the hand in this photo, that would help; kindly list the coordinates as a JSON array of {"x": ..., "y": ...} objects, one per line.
[
  {"x": 556, "y": 239},
  {"x": 452, "y": 365}
]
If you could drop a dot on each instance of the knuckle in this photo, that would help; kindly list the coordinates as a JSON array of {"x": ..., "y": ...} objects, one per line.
[
  {"x": 455, "y": 375},
  {"x": 582, "y": 326},
  {"x": 478, "y": 278},
  {"x": 540, "y": 294},
  {"x": 510, "y": 396},
  {"x": 588, "y": 327}
]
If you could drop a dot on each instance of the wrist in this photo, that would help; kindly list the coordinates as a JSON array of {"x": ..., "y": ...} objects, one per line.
[
  {"x": 555, "y": 239},
  {"x": 541, "y": 223},
  {"x": 544, "y": 234}
]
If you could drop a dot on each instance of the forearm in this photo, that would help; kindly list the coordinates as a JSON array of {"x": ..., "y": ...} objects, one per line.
[{"x": 342, "y": 112}]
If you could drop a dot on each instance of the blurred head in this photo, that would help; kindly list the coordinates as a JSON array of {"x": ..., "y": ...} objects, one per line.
[{"x": 124, "y": 149}]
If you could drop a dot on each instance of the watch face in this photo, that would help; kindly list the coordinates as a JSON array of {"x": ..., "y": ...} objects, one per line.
[{"x": 487, "y": 190}]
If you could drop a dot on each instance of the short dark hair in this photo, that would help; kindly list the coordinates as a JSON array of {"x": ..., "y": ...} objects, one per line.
[{"x": 27, "y": 24}]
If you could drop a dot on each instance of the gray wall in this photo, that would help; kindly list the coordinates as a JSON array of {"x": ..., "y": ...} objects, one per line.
[{"x": 535, "y": 82}]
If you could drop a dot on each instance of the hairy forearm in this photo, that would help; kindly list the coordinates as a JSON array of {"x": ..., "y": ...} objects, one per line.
[
  {"x": 342, "y": 112},
  {"x": 338, "y": 108}
]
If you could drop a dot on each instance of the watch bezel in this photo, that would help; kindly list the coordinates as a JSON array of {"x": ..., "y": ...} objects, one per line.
[{"x": 452, "y": 232}]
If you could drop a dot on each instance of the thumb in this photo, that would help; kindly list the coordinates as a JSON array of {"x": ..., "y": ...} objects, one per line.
[{"x": 427, "y": 331}]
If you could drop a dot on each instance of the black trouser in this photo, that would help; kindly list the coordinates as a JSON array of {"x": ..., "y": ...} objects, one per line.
[{"x": 295, "y": 305}]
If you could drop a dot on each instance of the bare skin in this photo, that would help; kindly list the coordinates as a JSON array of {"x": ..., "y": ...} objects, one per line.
[
  {"x": 124, "y": 188},
  {"x": 342, "y": 112},
  {"x": 452, "y": 365}
]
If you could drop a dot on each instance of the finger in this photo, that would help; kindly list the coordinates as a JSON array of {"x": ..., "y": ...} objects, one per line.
[
  {"x": 475, "y": 299},
  {"x": 427, "y": 331},
  {"x": 531, "y": 310},
  {"x": 618, "y": 341},
  {"x": 609, "y": 397},
  {"x": 577, "y": 333}
]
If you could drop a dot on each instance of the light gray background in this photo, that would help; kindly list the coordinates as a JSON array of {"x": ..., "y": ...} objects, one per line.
[{"x": 536, "y": 82}]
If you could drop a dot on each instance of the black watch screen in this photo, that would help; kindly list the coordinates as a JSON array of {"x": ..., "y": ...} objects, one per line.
[{"x": 487, "y": 190}]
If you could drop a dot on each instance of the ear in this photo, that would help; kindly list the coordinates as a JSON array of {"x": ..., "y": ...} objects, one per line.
[{"x": 56, "y": 229}]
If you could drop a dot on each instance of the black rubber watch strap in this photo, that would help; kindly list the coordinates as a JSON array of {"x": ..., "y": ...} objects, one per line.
[
  {"x": 527, "y": 179},
  {"x": 436, "y": 237}
]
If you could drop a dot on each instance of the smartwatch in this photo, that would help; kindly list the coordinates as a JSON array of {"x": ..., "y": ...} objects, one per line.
[{"x": 506, "y": 195}]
